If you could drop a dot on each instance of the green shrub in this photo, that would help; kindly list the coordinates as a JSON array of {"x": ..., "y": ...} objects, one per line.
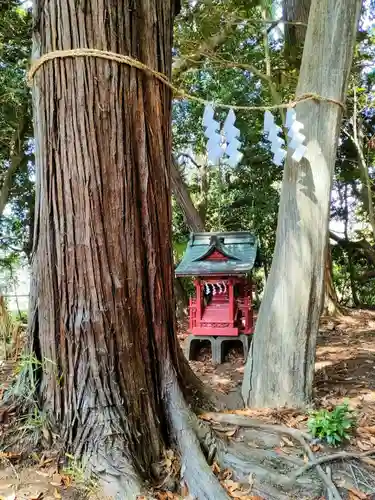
[{"x": 335, "y": 426}]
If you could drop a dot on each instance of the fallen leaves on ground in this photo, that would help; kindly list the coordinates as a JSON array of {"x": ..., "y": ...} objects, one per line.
[
  {"x": 235, "y": 490},
  {"x": 232, "y": 487},
  {"x": 44, "y": 483},
  {"x": 365, "y": 438},
  {"x": 167, "y": 495},
  {"x": 9, "y": 455},
  {"x": 169, "y": 467},
  {"x": 30, "y": 493},
  {"x": 354, "y": 494}
]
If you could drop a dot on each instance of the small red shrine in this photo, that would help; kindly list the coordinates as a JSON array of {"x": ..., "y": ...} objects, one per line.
[{"x": 221, "y": 264}]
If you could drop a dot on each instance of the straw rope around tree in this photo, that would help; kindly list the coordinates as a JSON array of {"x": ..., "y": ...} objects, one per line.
[{"x": 178, "y": 93}]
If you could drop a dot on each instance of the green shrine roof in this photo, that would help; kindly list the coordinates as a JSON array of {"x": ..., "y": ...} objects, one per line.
[{"x": 209, "y": 254}]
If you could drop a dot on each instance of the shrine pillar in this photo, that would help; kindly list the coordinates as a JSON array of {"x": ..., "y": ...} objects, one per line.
[
  {"x": 231, "y": 301},
  {"x": 198, "y": 294}
]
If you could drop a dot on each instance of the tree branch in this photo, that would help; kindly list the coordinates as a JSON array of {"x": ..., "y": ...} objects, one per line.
[
  {"x": 323, "y": 476},
  {"x": 184, "y": 63},
  {"x": 362, "y": 245},
  {"x": 233, "y": 64},
  {"x": 276, "y": 98},
  {"x": 189, "y": 157}
]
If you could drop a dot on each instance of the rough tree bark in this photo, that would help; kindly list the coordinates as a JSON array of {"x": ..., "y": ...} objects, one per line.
[
  {"x": 102, "y": 293},
  {"x": 280, "y": 367},
  {"x": 295, "y": 11}
]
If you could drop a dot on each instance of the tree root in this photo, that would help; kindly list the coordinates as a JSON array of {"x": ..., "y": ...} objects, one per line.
[
  {"x": 243, "y": 421},
  {"x": 244, "y": 462},
  {"x": 119, "y": 481},
  {"x": 329, "y": 458},
  {"x": 195, "y": 471},
  {"x": 276, "y": 478},
  {"x": 331, "y": 487},
  {"x": 102, "y": 450}
]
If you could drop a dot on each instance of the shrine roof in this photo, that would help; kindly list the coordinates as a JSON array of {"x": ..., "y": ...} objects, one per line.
[{"x": 213, "y": 254}]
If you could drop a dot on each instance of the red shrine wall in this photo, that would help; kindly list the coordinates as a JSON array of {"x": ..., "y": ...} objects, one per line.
[{"x": 226, "y": 313}]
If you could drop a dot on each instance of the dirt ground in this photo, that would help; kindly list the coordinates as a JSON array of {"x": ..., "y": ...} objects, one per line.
[
  {"x": 344, "y": 364},
  {"x": 345, "y": 370}
]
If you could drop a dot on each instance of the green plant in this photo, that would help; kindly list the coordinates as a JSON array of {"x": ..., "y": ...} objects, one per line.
[
  {"x": 76, "y": 471},
  {"x": 333, "y": 426}
]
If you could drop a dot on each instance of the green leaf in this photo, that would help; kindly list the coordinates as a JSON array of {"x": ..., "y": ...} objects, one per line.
[{"x": 332, "y": 426}]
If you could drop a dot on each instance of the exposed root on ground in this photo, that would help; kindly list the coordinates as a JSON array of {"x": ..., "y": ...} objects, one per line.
[
  {"x": 329, "y": 458},
  {"x": 195, "y": 470},
  {"x": 300, "y": 436},
  {"x": 241, "y": 459},
  {"x": 262, "y": 464},
  {"x": 115, "y": 473}
]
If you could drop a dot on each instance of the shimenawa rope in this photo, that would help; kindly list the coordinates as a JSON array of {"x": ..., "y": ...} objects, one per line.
[{"x": 135, "y": 63}]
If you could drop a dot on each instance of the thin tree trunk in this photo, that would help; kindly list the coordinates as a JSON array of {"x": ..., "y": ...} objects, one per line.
[
  {"x": 280, "y": 367},
  {"x": 349, "y": 251},
  {"x": 363, "y": 168},
  {"x": 17, "y": 155},
  {"x": 194, "y": 222},
  {"x": 332, "y": 307},
  {"x": 204, "y": 190},
  {"x": 102, "y": 309},
  {"x": 352, "y": 279},
  {"x": 181, "y": 193}
]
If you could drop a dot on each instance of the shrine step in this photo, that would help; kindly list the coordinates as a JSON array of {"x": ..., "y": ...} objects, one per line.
[{"x": 193, "y": 344}]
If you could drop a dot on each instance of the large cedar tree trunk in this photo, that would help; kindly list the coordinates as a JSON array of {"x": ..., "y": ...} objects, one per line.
[
  {"x": 280, "y": 367},
  {"x": 102, "y": 309}
]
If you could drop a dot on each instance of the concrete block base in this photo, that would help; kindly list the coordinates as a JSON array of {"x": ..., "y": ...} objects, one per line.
[{"x": 193, "y": 344}]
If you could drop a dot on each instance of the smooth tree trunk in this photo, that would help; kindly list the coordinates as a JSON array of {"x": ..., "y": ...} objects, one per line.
[
  {"x": 280, "y": 366},
  {"x": 102, "y": 305}
]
